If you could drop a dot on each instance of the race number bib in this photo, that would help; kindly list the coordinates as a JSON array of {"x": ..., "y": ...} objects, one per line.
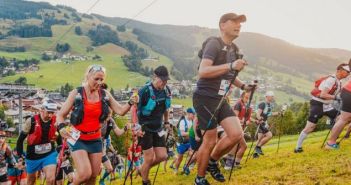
[
  {"x": 65, "y": 163},
  {"x": 75, "y": 135},
  {"x": 3, "y": 170},
  {"x": 225, "y": 84},
  {"x": 161, "y": 133},
  {"x": 43, "y": 148},
  {"x": 327, "y": 107}
]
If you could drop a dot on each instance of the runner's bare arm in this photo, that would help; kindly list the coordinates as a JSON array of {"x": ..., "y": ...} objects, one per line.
[
  {"x": 325, "y": 94},
  {"x": 207, "y": 70},
  {"x": 116, "y": 107},
  {"x": 66, "y": 107}
]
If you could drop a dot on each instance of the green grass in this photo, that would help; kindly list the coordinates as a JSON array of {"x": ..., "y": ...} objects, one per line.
[
  {"x": 57, "y": 74},
  {"x": 188, "y": 102},
  {"x": 314, "y": 166}
]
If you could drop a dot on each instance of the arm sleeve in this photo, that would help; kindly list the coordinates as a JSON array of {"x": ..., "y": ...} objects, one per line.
[{"x": 19, "y": 144}]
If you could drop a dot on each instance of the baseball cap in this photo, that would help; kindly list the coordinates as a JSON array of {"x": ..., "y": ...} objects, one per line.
[
  {"x": 269, "y": 93},
  {"x": 51, "y": 107},
  {"x": 346, "y": 68},
  {"x": 232, "y": 16},
  {"x": 190, "y": 110},
  {"x": 162, "y": 72}
]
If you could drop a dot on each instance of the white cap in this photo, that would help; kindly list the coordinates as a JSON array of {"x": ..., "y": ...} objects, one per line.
[
  {"x": 49, "y": 106},
  {"x": 269, "y": 93},
  {"x": 346, "y": 68}
]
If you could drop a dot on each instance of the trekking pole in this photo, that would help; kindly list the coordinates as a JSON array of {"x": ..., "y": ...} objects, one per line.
[
  {"x": 223, "y": 99},
  {"x": 332, "y": 125},
  {"x": 246, "y": 118},
  {"x": 134, "y": 120},
  {"x": 252, "y": 142},
  {"x": 281, "y": 122},
  {"x": 158, "y": 166}
]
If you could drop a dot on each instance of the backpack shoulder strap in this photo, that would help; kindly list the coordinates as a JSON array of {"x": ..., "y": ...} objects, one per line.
[{"x": 151, "y": 91}]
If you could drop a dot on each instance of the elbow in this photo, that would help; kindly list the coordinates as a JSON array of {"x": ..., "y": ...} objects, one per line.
[{"x": 202, "y": 73}]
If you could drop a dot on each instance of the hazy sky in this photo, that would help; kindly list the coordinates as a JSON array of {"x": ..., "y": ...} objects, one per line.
[{"x": 308, "y": 23}]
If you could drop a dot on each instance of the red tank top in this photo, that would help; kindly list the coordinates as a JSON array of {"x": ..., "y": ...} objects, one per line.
[
  {"x": 348, "y": 86},
  {"x": 90, "y": 123}
]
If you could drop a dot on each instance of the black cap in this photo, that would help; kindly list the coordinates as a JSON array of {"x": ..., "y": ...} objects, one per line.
[{"x": 162, "y": 72}]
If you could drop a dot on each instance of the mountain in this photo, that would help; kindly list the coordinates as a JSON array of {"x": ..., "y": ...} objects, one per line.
[
  {"x": 258, "y": 49},
  {"x": 29, "y": 29}
]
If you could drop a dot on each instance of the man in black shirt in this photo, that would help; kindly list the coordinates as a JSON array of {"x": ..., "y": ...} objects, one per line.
[
  {"x": 40, "y": 133},
  {"x": 264, "y": 111},
  {"x": 155, "y": 100},
  {"x": 220, "y": 58}
]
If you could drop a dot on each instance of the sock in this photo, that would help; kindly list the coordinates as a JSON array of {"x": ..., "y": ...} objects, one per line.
[
  {"x": 198, "y": 178},
  {"x": 237, "y": 160},
  {"x": 212, "y": 161},
  {"x": 105, "y": 175},
  {"x": 302, "y": 137},
  {"x": 230, "y": 156}
]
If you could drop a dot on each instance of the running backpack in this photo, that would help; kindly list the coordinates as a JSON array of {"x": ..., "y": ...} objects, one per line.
[
  {"x": 316, "y": 92},
  {"x": 181, "y": 139},
  {"x": 222, "y": 56}
]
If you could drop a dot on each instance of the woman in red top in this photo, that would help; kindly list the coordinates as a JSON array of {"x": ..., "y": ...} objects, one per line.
[
  {"x": 344, "y": 117},
  {"x": 87, "y": 149}
]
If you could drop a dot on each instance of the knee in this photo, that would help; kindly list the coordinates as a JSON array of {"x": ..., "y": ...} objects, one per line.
[
  {"x": 50, "y": 179},
  {"x": 235, "y": 136},
  {"x": 162, "y": 157},
  {"x": 85, "y": 176},
  {"x": 269, "y": 135}
]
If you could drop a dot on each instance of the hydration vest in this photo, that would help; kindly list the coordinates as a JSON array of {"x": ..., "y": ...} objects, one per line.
[
  {"x": 243, "y": 111},
  {"x": 78, "y": 106},
  {"x": 181, "y": 139},
  {"x": 153, "y": 100},
  {"x": 35, "y": 137}
]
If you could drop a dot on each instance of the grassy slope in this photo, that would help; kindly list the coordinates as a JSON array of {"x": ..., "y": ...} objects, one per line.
[
  {"x": 314, "y": 166},
  {"x": 57, "y": 74}
]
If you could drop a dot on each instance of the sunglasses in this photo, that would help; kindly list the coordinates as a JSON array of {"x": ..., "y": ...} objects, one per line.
[{"x": 97, "y": 68}]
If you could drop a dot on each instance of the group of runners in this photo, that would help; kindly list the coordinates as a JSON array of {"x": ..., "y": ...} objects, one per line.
[{"x": 75, "y": 141}]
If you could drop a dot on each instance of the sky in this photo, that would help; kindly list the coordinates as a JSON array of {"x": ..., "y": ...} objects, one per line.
[{"x": 307, "y": 23}]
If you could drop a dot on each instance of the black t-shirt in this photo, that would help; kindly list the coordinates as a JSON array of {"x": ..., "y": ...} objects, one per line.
[
  {"x": 267, "y": 109},
  {"x": 219, "y": 53},
  {"x": 153, "y": 122}
]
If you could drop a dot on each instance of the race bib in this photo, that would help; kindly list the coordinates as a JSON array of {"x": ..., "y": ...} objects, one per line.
[
  {"x": 43, "y": 148},
  {"x": 75, "y": 136},
  {"x": 65, "y": 163},
  {"x": 3, "y": 170},
  {"x": 161, "y": 133},
  {"x": 327, "y": 107},
  {"x": 225, "y": 84}
]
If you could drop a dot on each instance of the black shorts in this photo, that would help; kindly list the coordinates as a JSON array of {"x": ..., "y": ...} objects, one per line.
[
  {"x": 151, "y": 139},
  {"x": 3, "y": 178},
  {"x": 316, "y": 112},
  {"x": 67, "y": 169},
  {"x": 346, "y": 100},
  {"x": 205, "y": 106},
  {"x": 263, "y": 128}
]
